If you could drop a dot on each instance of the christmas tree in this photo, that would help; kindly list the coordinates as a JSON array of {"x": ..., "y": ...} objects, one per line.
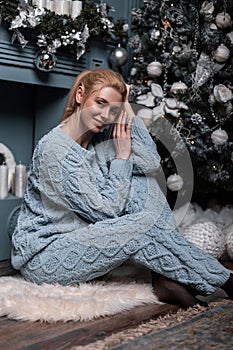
[{"x": 182, "y": 80}]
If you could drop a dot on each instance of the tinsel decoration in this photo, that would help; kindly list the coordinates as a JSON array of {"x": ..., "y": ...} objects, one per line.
[{"x": 60, "y": 32}]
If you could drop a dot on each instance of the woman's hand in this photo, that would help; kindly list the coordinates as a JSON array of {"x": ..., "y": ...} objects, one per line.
[{"x": 122, "y": 136}]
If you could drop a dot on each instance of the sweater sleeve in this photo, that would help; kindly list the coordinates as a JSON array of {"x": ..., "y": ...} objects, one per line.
[
  {"x": 144, "y": 152},
  {"x": 90, "y": 199}
]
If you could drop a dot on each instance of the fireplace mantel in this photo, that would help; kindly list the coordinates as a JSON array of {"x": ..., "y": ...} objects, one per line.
[{"x": 17, "y": 63}]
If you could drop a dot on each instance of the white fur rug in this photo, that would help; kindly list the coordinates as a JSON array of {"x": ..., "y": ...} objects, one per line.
[{"x": 22, "y": 300}]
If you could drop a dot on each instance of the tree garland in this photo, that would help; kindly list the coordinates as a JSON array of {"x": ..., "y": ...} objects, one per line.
[{"x": 51, "y": 31}]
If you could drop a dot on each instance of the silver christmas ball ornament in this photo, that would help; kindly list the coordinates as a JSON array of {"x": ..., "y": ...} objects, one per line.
[
  {"x": 154, "y": 69},
  {"x": 45, "y": 61},
  {"x": 119, "y": 56},
  {"x": 219, "y": 137},
  {"x": 223, "y": 20},
  {"x": 222, "y": 94},
  {"x": 221, "y": 54},
  {"x": 175, "y": 182}
]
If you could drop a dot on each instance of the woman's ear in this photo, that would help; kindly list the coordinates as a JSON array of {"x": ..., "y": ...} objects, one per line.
[{"x": 79, "y": 94}]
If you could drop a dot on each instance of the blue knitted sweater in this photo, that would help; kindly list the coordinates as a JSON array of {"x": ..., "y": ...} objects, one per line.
[
  {"x": 70, "y": 188},
  {"x": 85, "y": 212}
]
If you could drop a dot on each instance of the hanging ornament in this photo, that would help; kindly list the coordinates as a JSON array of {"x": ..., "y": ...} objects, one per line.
[
  {"x": 175, "y": 182},
  {"x": 179, "y": 88},
  {"x": 223, "y": 20},
  {"x": 203, "y": 70},
  {"x": 221, "y": 54},
  {"x": 222, "y": 94},
  {"x": 118, "y": 56},
  {"x": 45, "y": 60},
  {"x": 196, "y": 118},
  {"x": 219, "y": 137},
  {"x": 155, "y": 34},
  {"x": 154, "y": 69}
]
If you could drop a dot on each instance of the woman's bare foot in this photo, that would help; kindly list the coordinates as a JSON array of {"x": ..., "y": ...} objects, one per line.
[
  {"x": 172, "y": 292},
  {"x": 228, "y": 287}
]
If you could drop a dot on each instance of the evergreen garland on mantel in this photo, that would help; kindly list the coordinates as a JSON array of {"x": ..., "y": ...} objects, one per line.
[{"x": 53, "y": 31}]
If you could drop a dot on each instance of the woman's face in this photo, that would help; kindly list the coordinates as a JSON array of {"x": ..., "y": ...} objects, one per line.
[{"x": 100, "y": 109}]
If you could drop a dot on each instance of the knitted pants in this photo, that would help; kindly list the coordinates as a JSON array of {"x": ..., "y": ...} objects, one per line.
[{"x": 67, "y": 260}]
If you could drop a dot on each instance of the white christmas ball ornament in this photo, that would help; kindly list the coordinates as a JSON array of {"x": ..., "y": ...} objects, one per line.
[
  {"x": 207, "y": 237},
  {"x": 222, "y": 53},
  {"x": 146, "y": 115},
  {"x": 222, "y": 94},
  {"x": 175, "y": 182},
  {"x": 154, "y": 69},
  {"x": 223, "y": 20},
  {"x": 219, "y": 137},
  {"x": 229, "y": 241}
]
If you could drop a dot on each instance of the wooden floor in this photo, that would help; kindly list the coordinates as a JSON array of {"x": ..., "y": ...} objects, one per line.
[{"x": 61, "y": 336}]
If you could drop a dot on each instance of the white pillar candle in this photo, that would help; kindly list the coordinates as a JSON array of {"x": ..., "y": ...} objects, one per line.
[
  {"x": 3, "y": 181},
  {"x": 20, "y": 180},
  {"x": 76, "y": 8},
  {"x": 62, "y": 7},
  {"x": 49, "y": 5},
  {"x": 39, "y": 3}
]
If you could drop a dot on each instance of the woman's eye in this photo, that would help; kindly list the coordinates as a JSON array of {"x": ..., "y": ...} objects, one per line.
[
  {"x": 101, "y": 104},
  {"x": 115, "y": 112}
]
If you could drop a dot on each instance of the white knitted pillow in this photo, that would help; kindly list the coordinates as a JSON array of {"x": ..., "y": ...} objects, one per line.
[
  {"x": 229, "y": 241},
  {"x": 206, "y": 236}
]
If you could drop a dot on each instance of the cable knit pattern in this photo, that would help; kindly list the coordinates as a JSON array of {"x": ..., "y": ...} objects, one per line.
[{"x": 85, "y": 212}]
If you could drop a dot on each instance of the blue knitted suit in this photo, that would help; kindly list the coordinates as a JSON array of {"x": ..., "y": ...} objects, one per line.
[{"x": 85, "y": 213}]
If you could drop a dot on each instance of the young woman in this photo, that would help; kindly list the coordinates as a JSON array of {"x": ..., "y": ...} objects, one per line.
[{"x": 92, "y": 202}]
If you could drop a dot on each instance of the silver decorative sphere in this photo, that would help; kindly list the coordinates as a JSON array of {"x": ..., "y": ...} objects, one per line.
[
  {"x": 45, "y": 61},
  {"x": 118, "y": 56}
]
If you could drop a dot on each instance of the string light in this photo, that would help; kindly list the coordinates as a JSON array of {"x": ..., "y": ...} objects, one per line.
[{"x": 166, "y": 23}]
